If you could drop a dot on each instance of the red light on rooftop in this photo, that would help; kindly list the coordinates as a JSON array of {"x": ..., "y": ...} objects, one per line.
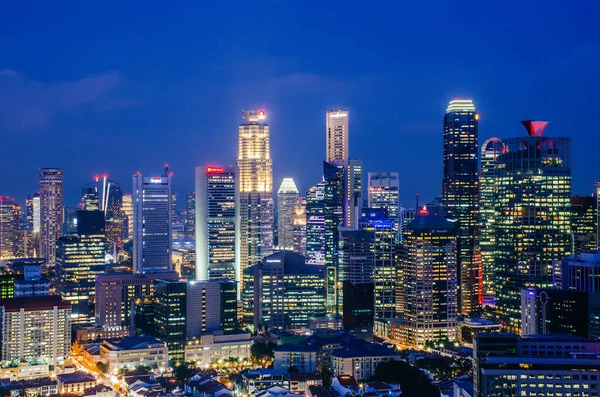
[
  {"x": 212, "y": 170},
  {"x": 423, "y": 210},
  {"x": 261, "y": 112},
  {"x": 96, "y": 178}
]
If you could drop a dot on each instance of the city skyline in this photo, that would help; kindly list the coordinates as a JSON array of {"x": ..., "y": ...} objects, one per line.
[{"x": 185, "y": 108}]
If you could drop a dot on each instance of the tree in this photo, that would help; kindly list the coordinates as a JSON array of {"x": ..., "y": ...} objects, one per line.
[
  {"x": 262, "y": 352},
  {"x": 412, "y": 381},
  {"x": 102, "y": 367},
  {"x": 182, "y": 374},
  {"x": 326, "y": 375}
]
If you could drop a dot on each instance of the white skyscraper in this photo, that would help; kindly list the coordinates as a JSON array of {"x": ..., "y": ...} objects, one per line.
[
  {"x": 337, "y": 136},
  {"x": 287, "y": 197},
  {"x": 51, "y": 211},
  {"x": 152, "y": 239},
  {"x": 255, "y": 186}
]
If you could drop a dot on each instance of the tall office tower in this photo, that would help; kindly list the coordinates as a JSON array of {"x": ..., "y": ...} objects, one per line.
[
  {"x": 152, "y": 238},
  {"x": 299, "y": 228},
  {"x": 488, "y": 188},
  {"x": 79, "y": 259},
  {"x": 353, "y": 192},
  {"x": 9, "y": 227},
  {"x": 287, "y": 197},
  {"x": 110, "y": 202},
  {"x": 407, "y": 215},
  {"x": 284, "y": 292},
  {"x": 127, "y": 209},
  {"x": 170, "y": 310},
  {"x": 116, "y": 293},
  {"x": 357, "y": 262},
  {"x": 90, "y": 197},
  {"x": 384, "y": 192},
  {"x": 377, "y": 221},
  {"x": 36, "y": 329},
  {"x": 533, "y": 213},
  {"x": 217, "y": 228},
  {"x": 583, "y": 223},
  {"x": 428, "y": 279},
  {"x": 70, "y": 221},
  {"x": 255, "y": 187},
  {"x": 190, "y": 215},
  {"x": 51, "y": 211},
  {"x": 579, "y": 272},
  {"x": 324, "y": 216},
  {"x": 337, "y": 136},
  {"x": 211, "y": 306},
  {"x": 460, "y": 196}
]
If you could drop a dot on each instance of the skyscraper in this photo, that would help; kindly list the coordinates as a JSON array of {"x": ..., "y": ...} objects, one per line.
[
  {"x": 324, "y": 216},
  {"x": 127, "y": 209},
  {"x": 337, "y": 136},
  {"x": 583, "y": 223},
  {"x": 300, "y": 226},
  {"x": 533, "y": 216},
  {"x": 353, "y": 192},
  {"x": 217, "y": 229},
  {"x": 152, "y": 238},
  {"x": 460, "y": 196},
  {"x": 190, "y": 215},
  {"x": 488, "y": 188},
  {"x": 107, "y": 196},
  {"x": 287, "y": 197},
  {"x": 170, "y": 311},
  {"x": 429, "y": 279},
  {"x": 255, "y": 178},
  {"x": 9, "y": 226},
  {"x": 384, "y": 192},
  {"x": 51, "y": 211}
]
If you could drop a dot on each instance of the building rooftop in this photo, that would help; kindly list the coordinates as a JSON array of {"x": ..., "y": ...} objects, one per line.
[
  {"x": 293, "y": 263},
  {"x": 34, "y": 303},
  {"x": 362, "y": 348},
  {"x": 132, "y": 343},
  {"x": 430, "y": 218},
  {"x": 75, "y": 377}
]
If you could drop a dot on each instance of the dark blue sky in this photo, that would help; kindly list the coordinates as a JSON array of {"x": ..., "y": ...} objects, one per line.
[{"x": 106, "y": 87}]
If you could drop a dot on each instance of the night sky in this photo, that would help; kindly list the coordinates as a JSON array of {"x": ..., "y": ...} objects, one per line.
[{"x": 102, "y": 87}]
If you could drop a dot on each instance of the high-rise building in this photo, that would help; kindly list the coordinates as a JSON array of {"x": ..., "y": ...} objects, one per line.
[
  {"x": 337, "y": 136},
  {"x": 299, "y": 228},
  {"x": 357, "y": 262},
  {"x": 170, "y": 310},
  {"x": 377, "y": 221},
  {"x": 36, "y": 329},
  {"x": 127, "y": 209},
  {"x": 217, "y": 228},
  {"x": 284, "y": 292},
  {"x": 428, "y": 272},
  {"x": 33, "y": 225},
  {"x": 152, "y": 239},
  {"x": 79, "y": 259},
  {"x": 287, "y": 197},
  {"x": 488, "y": 188},
  {"x": 255, "y": 187},
  {"x": 353, "y": 192},
  {"x": 583, "y": 223},
  {"x": 9, "y": 227},
  {"x": 384, "y": 192},
  {"x": 51, "y": 211},
  {"x": 460, "y": 196},
  {"x": 190, "y": 215},
  {"x": 211, "y": 307},
  {"x": 578, "y": 272},
  {"x": 116, "y": 294},
  {"x": 533, "y": 213},
  {"x": 324, "y": 217}
]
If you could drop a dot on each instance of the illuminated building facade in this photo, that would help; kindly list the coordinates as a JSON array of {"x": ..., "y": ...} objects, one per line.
[
  {"x": 127, "y": 209},
  {"x": 217, "y": 229},
  {"x": 107, "y": 196},
  {"x": 51, "y": 211},
  {"x": 384, "y": 192},
  {"x": 324, "y": 216},
  {"x": 353, "y": 192},
  {"x": 488, "y": 187},
  {"x": 287, "y": 197},
  {"x": 337, "y": 136},
  {"x": 533, "y": 216},
  {"x": 460, "y": 196},
  {"x": 284, "y": 292},
  {"x": 79, "y": 259},
  {"x": 583, "y": 223},
  {"x": 428, "y": 279},
  {"x": 152, "y": 239},
  {"x": 36, "y": 329},
  {"x": 377, "y": 221},
  {"x": 357, "y": 262},
  {"x": 170, "y": 316},
  {"x": 211, "y": 307},
  {"x": 190, "y": 215},
  {"x": 33, "y": 225},
  {"x": 9, "y": 227},
  {"x": 255, "y": 187},
  {"x": 299, "y": 229}
]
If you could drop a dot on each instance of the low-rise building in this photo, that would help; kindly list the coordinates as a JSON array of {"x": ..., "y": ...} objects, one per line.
[
  {"x": 320, "y": 391},
  {"x": 345, "y": 384},
  {"x": 274, "y": 391},
  {"x": 209, "y": 348},
  {"x": 36, "y": 387},
  {"x": 311, "y": 354},
  {"x": 99, "y": 391},
  {"x": 300, "y": 381},
  {"x": 75, "y": 383},
  {"x": 205, "y": 385},
  {"x": 132, "y": 352},
  {"x": 469, "y": 327},
  {"x": 93, "y": 333},
  {"x": 24, "y": 371},
  {"x": 382, "y": 389},
  {"x": 359, "y": 358},
  {"x": 260, "y": 379}
]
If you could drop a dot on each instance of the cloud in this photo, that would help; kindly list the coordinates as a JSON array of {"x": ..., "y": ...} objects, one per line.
[{"x": 28, "y": 104}]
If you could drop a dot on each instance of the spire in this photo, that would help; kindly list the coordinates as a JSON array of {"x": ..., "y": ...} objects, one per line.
[{"x": 534, "y": 128}]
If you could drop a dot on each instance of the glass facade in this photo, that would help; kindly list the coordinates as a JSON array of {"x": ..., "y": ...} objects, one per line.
[
  {"x": 460, "y": 196},
  {"x": 51, "y": 212},
  {"x": 384, "y": 192},
  {"x": 170, "y": 316},
  {"x": 583, "y": 223},
  {"x": 287, "y": 197}
]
